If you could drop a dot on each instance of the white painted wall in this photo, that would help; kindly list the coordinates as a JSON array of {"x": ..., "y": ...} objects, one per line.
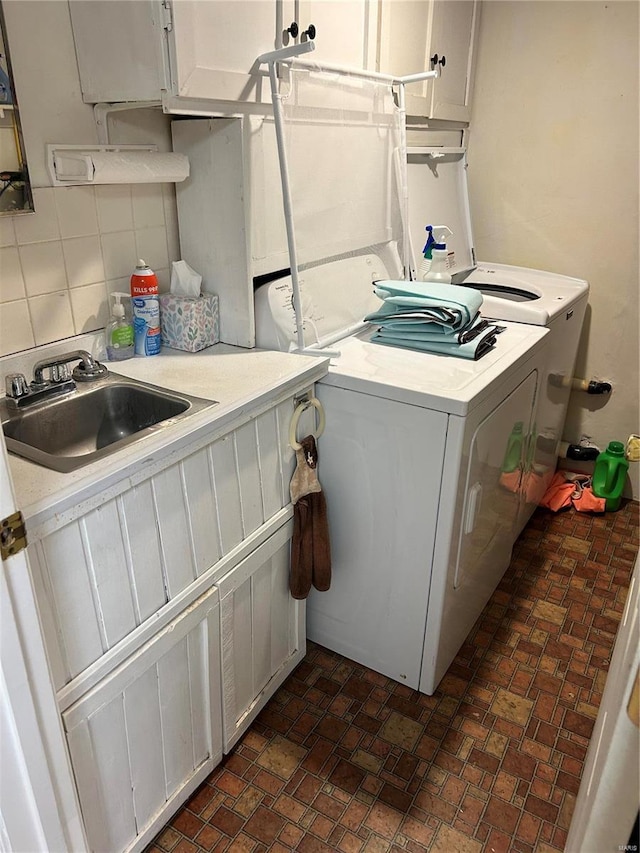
[{"x": 553, "y": 176}]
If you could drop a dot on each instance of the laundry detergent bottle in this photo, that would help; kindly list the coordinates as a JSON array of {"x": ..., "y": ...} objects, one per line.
[
  {"x": 439, "y": 268},
  {"x": 609, "y": 475},
  {"x": 145, "y": 303}
]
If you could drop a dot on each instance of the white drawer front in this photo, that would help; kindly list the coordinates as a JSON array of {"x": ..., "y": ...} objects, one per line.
[
  {"x": 148, "y": 733},
  {"x": 263, "y": 631}
]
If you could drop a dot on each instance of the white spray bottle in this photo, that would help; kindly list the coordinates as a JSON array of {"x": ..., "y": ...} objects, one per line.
[{"x": 439, "y": 267}]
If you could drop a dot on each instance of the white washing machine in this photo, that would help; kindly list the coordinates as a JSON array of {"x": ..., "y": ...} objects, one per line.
[
  {"x": 438, "y": 195},
  {"x": 423, "y": 510}
]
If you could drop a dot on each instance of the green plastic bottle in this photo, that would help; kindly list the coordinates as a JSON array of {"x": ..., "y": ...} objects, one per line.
[{"x": 609, "y": 475}]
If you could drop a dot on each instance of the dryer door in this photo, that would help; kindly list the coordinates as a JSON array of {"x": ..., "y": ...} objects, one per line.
[
  {"x": 484, "y": 529},
  {"x": 495, "y": 471}
]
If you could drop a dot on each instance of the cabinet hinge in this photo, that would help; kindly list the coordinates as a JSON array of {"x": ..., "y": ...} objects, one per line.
[
  {"x": 167, "y": 16},
  {"x": 13, "y": 535}
]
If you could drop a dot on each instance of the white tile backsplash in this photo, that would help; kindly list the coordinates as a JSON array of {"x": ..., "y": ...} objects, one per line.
[
  {"x": 43, "y": 267},
  {"x": 83, "y": 259},
  {"x": 43, "y": 224},
  {"x": 78, "y": 247},
  {"x": 51, "y": 317},
  {"x": 77, "y": 213},
  {"x": 148, "y": 205},
  {"x": 119, "y": 253},
  {"x": 15, "y": 327},
  {"x": 89, "y": 307},
  {"x": 11, "y": 281},
  {"x": 115, "y": 211},
  {"x": 7, "y": 231},
  {"x": 151, "y": 245}
]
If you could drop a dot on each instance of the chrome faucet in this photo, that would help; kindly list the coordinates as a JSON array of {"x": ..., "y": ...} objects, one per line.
[
  {"x": 87, "y": 369},
  {"x": 60, "y": 381}
]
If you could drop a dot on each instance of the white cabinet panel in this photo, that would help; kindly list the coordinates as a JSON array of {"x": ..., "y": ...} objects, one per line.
[
  {"x": 136, "y": 50},
  {"x": 249, "y": 477},
  {"x": 263, "y": 632},
  {"x": 227, "y": 487},
  {"x": 142, "y": 543},
  {"x": 412, "y": 33},
  {"x": 78, "y": 632},
  {"x": 171, "y": 512},
  {"x": 105, "y": 556},
  {"x": 201, "y": 505},
  {"x": 100, "y": 578},
  {"x": 345, "y": 30},
  {"x": 148, "y": 733},
  {"x": 199, "y": 50}
]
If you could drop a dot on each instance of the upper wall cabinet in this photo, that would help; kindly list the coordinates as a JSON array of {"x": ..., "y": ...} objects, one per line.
[
  {"x": 346, "y": 31},
  {"x": 147, "y": 50},
  {"x": 420, "y": 35}
]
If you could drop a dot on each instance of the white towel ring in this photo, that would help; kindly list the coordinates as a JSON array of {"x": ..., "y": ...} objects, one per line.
[{"x": 293, "y": 426}]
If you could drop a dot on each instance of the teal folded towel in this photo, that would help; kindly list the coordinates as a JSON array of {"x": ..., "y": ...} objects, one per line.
[
  {"x": 463, "y": 301},
  {"x": 433, "y": 332},
  {"x": 473, "y": 349}
]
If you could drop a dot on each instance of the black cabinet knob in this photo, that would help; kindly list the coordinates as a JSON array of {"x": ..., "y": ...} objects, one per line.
[
  {"x": 293, "y": 30},
  {"x": 438, "y": 60},
  {"x": 310, "y": 32}
]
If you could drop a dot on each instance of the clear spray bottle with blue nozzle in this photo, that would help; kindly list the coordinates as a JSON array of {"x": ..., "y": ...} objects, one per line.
[{"x": 434, "y": 264}]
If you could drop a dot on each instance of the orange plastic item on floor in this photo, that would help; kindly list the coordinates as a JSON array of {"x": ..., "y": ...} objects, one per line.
[
  {"x": 568, "y": 489},
  {"x": 559, "y": 493},
  {"x": 585, "y": 501}
]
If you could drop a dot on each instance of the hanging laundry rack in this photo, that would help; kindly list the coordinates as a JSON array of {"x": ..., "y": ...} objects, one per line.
[{"x": 271, "y": 59}]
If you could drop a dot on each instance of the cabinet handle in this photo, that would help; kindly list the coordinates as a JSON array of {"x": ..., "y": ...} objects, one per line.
[
  {"x": 293, "y": 30},
  {"x": 438, "y": 60},
  {"x": 310, "y": 32}
]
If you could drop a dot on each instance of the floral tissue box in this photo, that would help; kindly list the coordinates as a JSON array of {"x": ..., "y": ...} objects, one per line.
[{"x": 189, "y": 323}]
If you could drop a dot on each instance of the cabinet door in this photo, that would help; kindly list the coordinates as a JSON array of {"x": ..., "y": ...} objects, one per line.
[
  {"x": 136, "y": 50},
  {"x": 215, "y": 45},
  {"x": 150, "y": 732},
  {"x": 412, "y": 32},
  {"x": 263, "y": 632},
  {"x": 452, "y": 37},
  {"x": 345, "y": 31}
]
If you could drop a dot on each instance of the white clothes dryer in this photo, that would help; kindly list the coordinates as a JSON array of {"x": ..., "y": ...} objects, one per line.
[{"x": 421, "y": 462}]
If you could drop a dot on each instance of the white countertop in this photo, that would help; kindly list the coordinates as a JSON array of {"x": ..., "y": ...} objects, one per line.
[{"x": 239, "y": 379}]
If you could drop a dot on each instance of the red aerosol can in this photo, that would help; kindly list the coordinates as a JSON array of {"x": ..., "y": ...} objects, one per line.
[{"x": 146, "y": 310}]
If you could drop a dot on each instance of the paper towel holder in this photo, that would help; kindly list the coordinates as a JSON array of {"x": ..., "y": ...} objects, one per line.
[{"x": 75, "y": 165}]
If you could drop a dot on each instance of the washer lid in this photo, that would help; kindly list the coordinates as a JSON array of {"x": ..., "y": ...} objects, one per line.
[
  {"x": 441, "y": 382},
  {"x": 525, "y": 295},
  {"x": 438, "y": 195}
]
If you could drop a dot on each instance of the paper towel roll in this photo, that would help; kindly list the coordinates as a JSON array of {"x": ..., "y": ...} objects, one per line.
[
  {"x": 85, "y": 166},
  {"x": 136, "y": 167}
]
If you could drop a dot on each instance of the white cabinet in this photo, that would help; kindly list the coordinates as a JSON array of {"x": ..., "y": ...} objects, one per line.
[
  {"x": 346, "y": 31},
  {"x": 263, "y": 632},
  {"x": 147, "y": 735},
  {"x": 194, "y": 50},
  {"x": 146, "y": 598},
  {"x": 420, "y": 35},
  {"x": 145, "y": 50}
]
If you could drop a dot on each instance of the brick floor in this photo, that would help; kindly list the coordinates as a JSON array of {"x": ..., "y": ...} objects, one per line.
[{"x": 345, "y": 759}]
